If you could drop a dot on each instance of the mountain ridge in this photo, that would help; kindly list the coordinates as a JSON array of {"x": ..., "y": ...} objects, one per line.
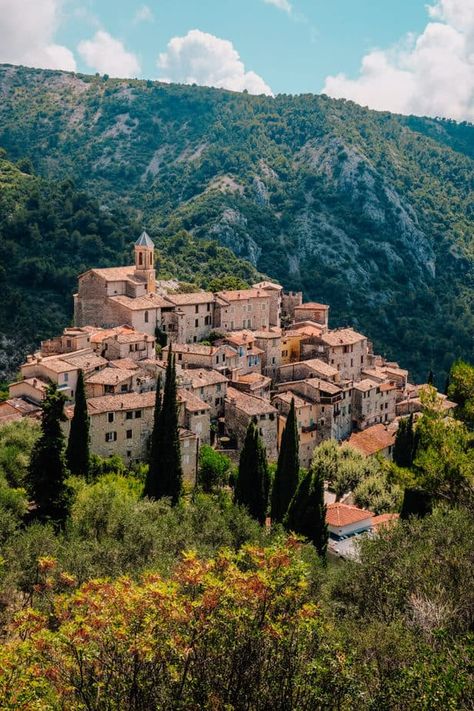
[{"x": 368, "y": 211}]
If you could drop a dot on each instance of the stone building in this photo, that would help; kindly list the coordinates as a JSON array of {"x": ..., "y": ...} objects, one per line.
[
  {"x": 346, "y": 350},
  {"x": 377, "y": 439},
  {"x": 289, "y": 301},
  {"x": 373, "y": 402},
  {"x": 269, "y": 342},
  {"x": 198, "y": 355},
  {"x": 114, "y": 381},
  {"x": 71, "y": 339},
  {"x": 311, "y": 368},
  {"x": 194, "y": 415},
  {"x": 241, "y": 408},
  {"x": 191, "y": 319},
  {"x": 242, "y": 309},
  {"x": 311, "y": 311},
  {"x": 122, "y": 425},
  {"x": 249, "y": 356},
  {"x": 210, "y": 386},
  {"x": 275, "y": 293},
  {"x": 62, "y": 369},
  {"x": 123, "y": 342}
]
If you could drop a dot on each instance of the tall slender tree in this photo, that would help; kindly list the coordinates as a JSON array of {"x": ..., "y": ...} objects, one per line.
[
  {"x": 288, "y": 467},
  {"x": 165, "y": 474},
  {"x": 307, "y": 511},
  {"x": 77, "y": 452},
  {"x": 47, "y": 471},
  {"x": 404, "y": 448},
  {"x": 252, "y": 485},
  {"x": 430, "y": 379}
]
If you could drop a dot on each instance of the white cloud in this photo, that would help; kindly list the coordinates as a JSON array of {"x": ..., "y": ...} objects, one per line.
[
  {"x": 284, "y": 5},
  {"x": 27, "y": 32},
  {"x": 429, "y": 74},
  {"x": 202, "y": 58},
  {"x": 143, "y": 14},
  {"x": 107, "y": 55}
]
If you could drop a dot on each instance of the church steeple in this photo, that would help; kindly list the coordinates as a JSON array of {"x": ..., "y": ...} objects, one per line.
[{"x": 144, "y": 261}]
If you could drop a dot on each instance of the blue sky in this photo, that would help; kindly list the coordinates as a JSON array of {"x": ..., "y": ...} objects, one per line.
[{"x": 410, "y": 56}]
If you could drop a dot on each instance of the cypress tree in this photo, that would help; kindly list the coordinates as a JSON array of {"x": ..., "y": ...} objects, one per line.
[
  {"x": 251, "y": 487},
  {"x": 307, "y": 511},
  {"x": 430, "y": 380},
  {"x": 153, "y": 458},
  {"x": 165, "y": 474},
  {"x": 447, "y": 384},
  {"x": 47, "y": 471},
  {"x": 404, "y": 448},
  {"x": 288, "y": 467},
  {"x": 77, "y": 452},
  {"x": 416, "y": 502}
]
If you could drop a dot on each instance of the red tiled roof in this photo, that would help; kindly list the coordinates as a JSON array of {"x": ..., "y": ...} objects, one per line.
[
  {"x": 343, "y": 514},
  {"x": 384, "y": 519},
  {"x": 372, "y": 440}
]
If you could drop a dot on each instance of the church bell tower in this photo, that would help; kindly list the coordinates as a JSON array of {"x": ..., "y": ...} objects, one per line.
[{"x": 144, "y": 261}]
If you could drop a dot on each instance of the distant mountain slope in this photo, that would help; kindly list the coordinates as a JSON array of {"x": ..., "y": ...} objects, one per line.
[{"x": 368, "y": 211}]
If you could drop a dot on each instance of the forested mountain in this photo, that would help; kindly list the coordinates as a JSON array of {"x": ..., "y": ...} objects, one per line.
[{"x": 368, "y": 211}]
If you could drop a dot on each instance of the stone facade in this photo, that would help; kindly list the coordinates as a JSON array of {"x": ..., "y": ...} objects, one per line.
[
  {"x": 346, "y": 350},
  {"x": 306, "y": 416},
  {"x": 198, "y": 355},
  {"x": 241, "y": 408},
  {"x": 319, "y": 313},
  {"x": 269, "y": 342},
  {"x": 242, "y": 309},
  {"x": 373, "y": 403}
]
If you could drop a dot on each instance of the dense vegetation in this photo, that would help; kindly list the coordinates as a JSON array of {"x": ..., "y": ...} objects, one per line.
[{"x": 368, "y": 211}]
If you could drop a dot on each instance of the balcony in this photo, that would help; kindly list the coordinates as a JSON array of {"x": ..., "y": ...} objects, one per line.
[{"x": 309, "y": 428}]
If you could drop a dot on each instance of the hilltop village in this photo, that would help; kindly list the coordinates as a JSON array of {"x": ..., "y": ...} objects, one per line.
[{"x": 241, "y": 355}]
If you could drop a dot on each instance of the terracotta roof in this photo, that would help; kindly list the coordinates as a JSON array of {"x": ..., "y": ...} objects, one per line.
[
  {"x": 124, "y": 364},
  {"x": 252, "y": 378},
  {"x": 384, "y": 519},
  {"x": 115, "y": 403},
  {"x": 205, "y": 376},
  {"x": 273, "y": 332},
  {"x": 288, "y": 396},
  {"x": 311, "y": 305},
  {"x": 339, "y": 515},
  {"x": 85, "y": 361},
  {"x": 342, "y": 337},
  {"x": 35, "y": 383},
  {"x": 193, "y": 403},
  {"x": 110, "y": 376},
  {"x": 141, "y": 303},
  {"x": 267, "y": 285},
  {"x": 314, "y": 364},
  {"x": 384, "y": 387},
  {"x": 113, "y": 273},
  {"x": 243, "y": 294},
  {"x": 99, "y": 335},
  {"x": 240, "y": 338},
  {"x": 372, "y": 440},
  {"x": 194, "y": 348},
  {"x": 22, "y": 406},
  {"x": 196, "y": 297},
  {"x": 53, "y": 363},
  {"x": 365, "y": 385},
  {"x": 250, "y": 404}
]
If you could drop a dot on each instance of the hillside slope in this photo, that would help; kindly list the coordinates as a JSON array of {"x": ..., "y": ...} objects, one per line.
[{"x": 368, "y": 211}]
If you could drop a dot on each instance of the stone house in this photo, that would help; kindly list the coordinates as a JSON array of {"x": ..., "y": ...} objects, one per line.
[
  {"x": 275, "y": 292},
  {"x": 377, "y": 439},
  {"x": 210, "y": 386},
  {"x": 249, "y": 356},
  {"x": 122, "y": 425},
  {"x": 62, "y": 369},
  {"x": 194, "y": 415},
  {"x": 30, "y": 389},
  {"x": 198, "y": 355},
  {"x": 311, "y": 368},
  {"x": 242, "y": 309},
  {"x": 346, "y": 350},
  {"x": 289, "y": 301},
  {"x": 241, "y": 408},
  {"x": 123, "y": 342},
  {"x": 16, "y": 408},
  {"x": 318, "y": 313},
  {"x": 269, "y": 342},
  {"x": 334, "y": 405},
  {"x": 71, "y": 339},
  {"x": 306, "y": 415},
  {"x": 114, "y": 381},
  {"x": 253, "y": 383},
  {"x": 373, "y": 402},
  {"x": 192, "y": 317}
]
